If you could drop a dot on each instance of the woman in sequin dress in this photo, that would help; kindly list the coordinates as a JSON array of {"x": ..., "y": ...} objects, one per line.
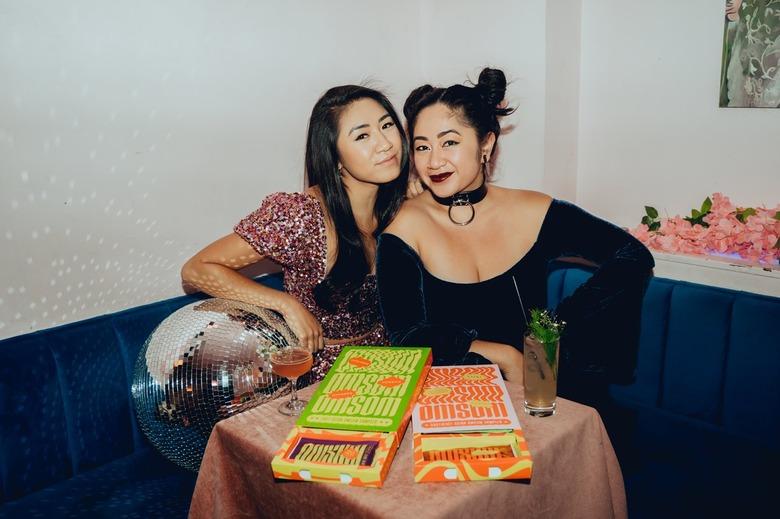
[{"x": 325, "y": 237}]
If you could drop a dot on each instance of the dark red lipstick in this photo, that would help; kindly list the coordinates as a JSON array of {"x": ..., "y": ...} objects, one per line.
[{"x": 441, "y": 177}]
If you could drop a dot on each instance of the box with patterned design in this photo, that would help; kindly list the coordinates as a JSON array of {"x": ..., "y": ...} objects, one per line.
[
  {"x": 465, "y": 428},
  {"x": 356, "y": 418}
]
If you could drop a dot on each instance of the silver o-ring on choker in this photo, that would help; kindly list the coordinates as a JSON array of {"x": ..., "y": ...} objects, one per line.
[
  {"x": 464, "y": 199},
  {"x": 461, "y": 202}
]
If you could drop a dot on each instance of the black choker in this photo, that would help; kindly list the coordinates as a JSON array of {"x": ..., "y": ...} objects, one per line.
[{"x": 464, "y": 199}]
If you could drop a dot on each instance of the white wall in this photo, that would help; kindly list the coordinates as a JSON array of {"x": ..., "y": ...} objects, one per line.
[
  {"x": 650, "y": 130},
  {"x": 133, "y": 134},
  {"x": 459, "y": 39},
  {"x": 562, "y": 98}
]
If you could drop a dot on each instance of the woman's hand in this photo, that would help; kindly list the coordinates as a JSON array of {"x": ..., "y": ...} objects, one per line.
[
  {"x": 303, "y": 324},
  {"x": 415, "y": 188},
  {"x": 513, "y": 366},
  {"x": 508, "y": 358}
]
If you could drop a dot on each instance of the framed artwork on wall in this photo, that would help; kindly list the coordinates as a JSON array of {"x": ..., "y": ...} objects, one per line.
[{"x": 750, "y": 68}]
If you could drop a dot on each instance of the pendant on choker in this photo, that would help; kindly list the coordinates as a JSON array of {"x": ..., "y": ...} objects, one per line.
[{"x": 463, "y": 199}]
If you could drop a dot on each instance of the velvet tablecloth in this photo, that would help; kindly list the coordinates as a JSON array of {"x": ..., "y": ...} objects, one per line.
[{"x": 576, "y": 474}]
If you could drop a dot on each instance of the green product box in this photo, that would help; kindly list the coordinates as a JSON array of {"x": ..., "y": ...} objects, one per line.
[{"x": 368, "y": 389}]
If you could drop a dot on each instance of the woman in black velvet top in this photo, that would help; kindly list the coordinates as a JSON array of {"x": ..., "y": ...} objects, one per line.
[{"x": 448, "y": 264}]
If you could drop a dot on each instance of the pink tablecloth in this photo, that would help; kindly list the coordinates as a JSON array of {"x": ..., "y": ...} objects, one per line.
[{"x": 576, "y": 474}]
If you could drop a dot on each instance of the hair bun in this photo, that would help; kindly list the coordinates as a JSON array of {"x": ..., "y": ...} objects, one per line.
[{"x": 492, "y": 86}]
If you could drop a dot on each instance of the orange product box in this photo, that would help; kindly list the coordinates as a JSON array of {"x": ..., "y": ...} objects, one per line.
[{"x": 465, "y": 428}]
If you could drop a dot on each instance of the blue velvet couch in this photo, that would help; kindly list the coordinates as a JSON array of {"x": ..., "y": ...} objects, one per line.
[
  {"x": 696, "y": 432},
  {"x": 69, "y": 442}
]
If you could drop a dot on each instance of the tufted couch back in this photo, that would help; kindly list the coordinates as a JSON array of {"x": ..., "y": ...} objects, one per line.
[
  {"x": 65, "y": 400},
  {"x": 697, "y": 430},
  {"x": 706, "y": 354}
]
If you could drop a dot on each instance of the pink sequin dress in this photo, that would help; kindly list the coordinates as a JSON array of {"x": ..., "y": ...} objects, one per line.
[{"x": 289, "y": 228}]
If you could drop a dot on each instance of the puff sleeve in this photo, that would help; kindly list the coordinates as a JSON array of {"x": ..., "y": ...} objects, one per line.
[{"x": 282, "y": 228}]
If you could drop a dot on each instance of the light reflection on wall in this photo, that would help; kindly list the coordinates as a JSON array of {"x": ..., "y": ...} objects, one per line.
[{"x": 131, "y": 135}]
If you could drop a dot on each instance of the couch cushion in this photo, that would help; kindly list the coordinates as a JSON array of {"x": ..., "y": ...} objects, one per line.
[
  {"x": 34, "y": 450},
  {"x": 141, "y": 485},
  {"x": 699, "y": 321},
  {"x": 94, "y": 388},
  {"x": 688, "y": 468},
  {"x": 652, "y": 345},
  {"x": 751, "y": 404}
]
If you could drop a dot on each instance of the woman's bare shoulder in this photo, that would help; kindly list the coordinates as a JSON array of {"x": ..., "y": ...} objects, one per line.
[
  {"x": 410, "y": 219},
  {"x": 534, "y": 202}
]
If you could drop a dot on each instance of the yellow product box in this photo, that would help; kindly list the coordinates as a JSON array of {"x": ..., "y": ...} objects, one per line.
[
  {"x": 465, "y": 428},
  {"x": 332, "y": 456}
]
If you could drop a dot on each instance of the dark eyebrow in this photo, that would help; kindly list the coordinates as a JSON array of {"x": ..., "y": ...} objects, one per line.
[
  {"x": 366, "y": 125},
  {"x": 357, "y": 128},
  {"x": 420, "y": 138},
  {"x": 445, "y": 132}
]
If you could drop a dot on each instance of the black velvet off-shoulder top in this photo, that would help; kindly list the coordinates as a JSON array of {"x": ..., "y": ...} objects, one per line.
[{"x": 602, "y": 315}]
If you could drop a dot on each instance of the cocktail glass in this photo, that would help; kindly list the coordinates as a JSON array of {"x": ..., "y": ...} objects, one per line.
[
  {"x": 540, "y": 376},
  {"x": 291, "y": 363}
]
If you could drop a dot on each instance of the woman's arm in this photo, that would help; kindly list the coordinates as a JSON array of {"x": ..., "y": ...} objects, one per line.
[
  {"x": 213, "y": 270},
  {"x": 623, "y": 262},
  {"x": 508, "y": 358},
  {"x": 603, "y": 314}
]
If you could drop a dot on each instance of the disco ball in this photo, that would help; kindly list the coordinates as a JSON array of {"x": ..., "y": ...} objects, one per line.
[{"x": 207, "y": 361}]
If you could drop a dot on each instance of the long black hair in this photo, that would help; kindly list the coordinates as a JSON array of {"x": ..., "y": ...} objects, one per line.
[
  {"x": 477, "y": 106},
  {"x": 322, "y": 159}
]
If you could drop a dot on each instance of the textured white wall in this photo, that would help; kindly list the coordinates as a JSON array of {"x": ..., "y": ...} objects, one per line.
[
  {"x": 458, "y": 39},
  {"x": 650, "y": 130},
  {"x": 562, "y": 98},
  {"x": 133, "y": 134}
]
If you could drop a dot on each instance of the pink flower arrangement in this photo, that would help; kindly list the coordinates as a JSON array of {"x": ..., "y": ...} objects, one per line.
[{"x": 753, "y": 234}]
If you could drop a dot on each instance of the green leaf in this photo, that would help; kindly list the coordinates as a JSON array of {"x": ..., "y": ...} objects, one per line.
[
  {"x": 777, "y": 215},
  {"x": 777, "y": 244},
  {"x": 654, "y": 226},
  {"x": 743, "y": 214},
  {"x": 550, "y": 349},
  {"x": 695, "y": 214},
  {"x": 652, "y": 212},
  {"x": 706, "y": 205},
  {"x": 646, "y": 220}
]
